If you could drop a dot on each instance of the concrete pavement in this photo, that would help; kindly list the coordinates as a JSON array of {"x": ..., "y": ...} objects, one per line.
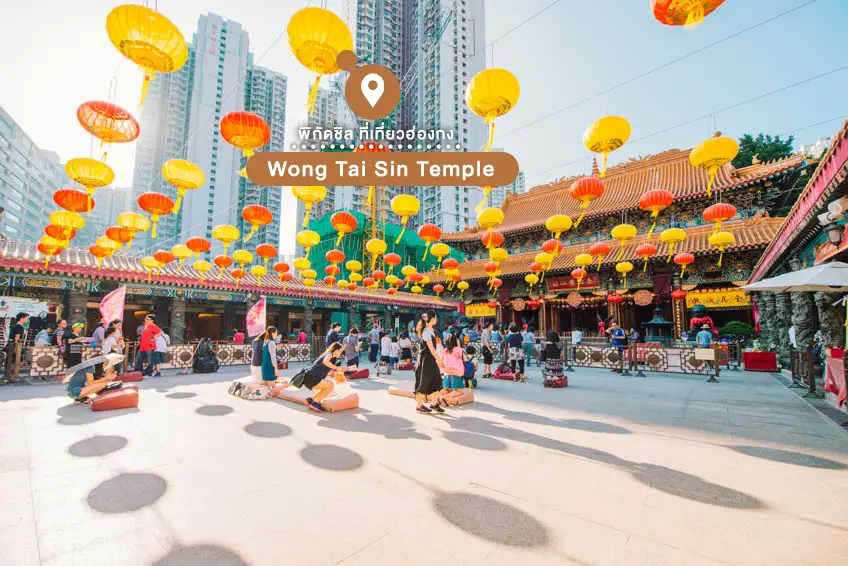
[{"x": 612, "y": 470}]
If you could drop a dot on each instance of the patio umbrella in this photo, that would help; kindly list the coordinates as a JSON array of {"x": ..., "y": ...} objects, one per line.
[
  {"x": 90, "y": 363},
  {"x": 829, "y": 277}
]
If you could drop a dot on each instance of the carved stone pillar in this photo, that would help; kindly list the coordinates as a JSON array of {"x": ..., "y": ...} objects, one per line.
[
  {"x": 831, "y": 319},
  {"x": 177, "y": 323},
  {"x": 783, "y": 311},
  {"x": 387, "y": 320},
  {"x": 770, "y": 314},
  {"x": 804, "y": 319},
  {"x": 351, "y": 316},
  {"x": 307, "y": 319},
  {"x": 77, "y": 307}
]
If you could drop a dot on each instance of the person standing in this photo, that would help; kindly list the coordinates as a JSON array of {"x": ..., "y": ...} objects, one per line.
[
  {"x": 619, "y": 337},
  {"x": 351, "y": 349},
  {"x": 14, "y": 347},
  {"x": 516, "y": 354},
  {"x": 97, "y": 338},
  {"x": 333, "y": 333},
  {"x": 704, "y": 338},
  {"x": 147, "y": 346},
  {"x": 395, "y": 355},
  {"x": 74, "y": 345},
  {"x": 428, "y": 371},
  {"x": 385, "y": 350},
  {"x": 576, "y": 340},
  {"x": 405, "y": 348},
  {"x": 160, "y": 351},
  {"x": 238, "y": 337},
  {"x": 527, "y": 344},
  {"x": 488, "y": 349},
  {"x": 61, "y": 326},
  {"x": 270, "y": 373},
  {"x": 634, "y": 335},
  {"x": 374, "y": 338},
  {"x": 43, "y": 336}
]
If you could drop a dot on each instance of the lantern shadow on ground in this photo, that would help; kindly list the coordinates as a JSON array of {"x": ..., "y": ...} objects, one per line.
[
  {"x": 181, "y": 395},
  {"x": 472, "y": 440},
  {"x": 789, "y": 457},
  {"x": 97, "y": 446},
  {"x": 213, "y": 410},
  {"x": 127, "y": 492},
  {"x": 387, "y": 426},
  {"x": 331, "y": 457},
  {"x": 77, "y": 414},
  {"x": 205, "y": 554},
  {"x": 575, "y": 424},
  {"x": 265, "y": 429},
  {"x": 491, "y": 520}
]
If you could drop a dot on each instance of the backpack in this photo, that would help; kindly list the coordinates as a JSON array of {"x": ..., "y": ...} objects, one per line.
[
  {"x": 504, "y": 372},
  {"x": 454, "y": 365}
]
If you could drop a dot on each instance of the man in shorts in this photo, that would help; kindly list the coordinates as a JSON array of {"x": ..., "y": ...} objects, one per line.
[{"x": 351, "y": 349}]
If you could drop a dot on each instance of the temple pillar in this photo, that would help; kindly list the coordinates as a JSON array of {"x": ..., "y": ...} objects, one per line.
[
  {"x": 77, "y": 307},
  {"x": 387, "y": 321},
  {"x": 783, "y": 320},
  {"x": 351, "y": 316},
  {"x": 177, "y": 322},
  {"x": 804, "y": 319},
  {"x": 307, "y": 319},
  {"x": 769, "y": 332},
  {"x": 831, "y": 319},
  {"x": 678, "y": 318}
]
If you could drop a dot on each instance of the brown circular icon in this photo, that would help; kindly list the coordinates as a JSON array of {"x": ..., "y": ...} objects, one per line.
[{"x": 372, "y": 91}]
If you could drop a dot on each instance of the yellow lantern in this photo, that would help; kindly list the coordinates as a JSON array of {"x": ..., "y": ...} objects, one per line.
[
  {"x": 226, "y": 234},
  {"x": 558, "y": 223},
  {"x": 91, "y": 174},
  {"x": 108, "y": 244},
  {"x": 671, "y": 237},
  {"x": 184, "y": 175},
  {"x": 242, "y": 257},
  {"x": 353, "y": 266},
  {"x": 405, "y": 206},
  {"x": 308, "y": 239},
  {"x": 342, "y": 283},
  {"x": 424, "y": 281},
  {"x": 65, "y": 219},
  {"x": 623, "y": 233},
  {"x": 355, "y": 277},
  {"x": 463, "y": 287},
  {"x": 309, "y": 274},
  {"x": 491, "y": 93},
  {"x": 721, "y": 240},
  {"x": 439, "y": 250},
  {"x": 393, "y": 280},
  {"x": 134, "y": 222},
  {"x": 408, "y": 271},
  {"x": 605, "y": 135},
  {"x": 301, "y": 264},
  {"x": 531, "y": 279},
  {"x": 309, "y": 283},
  {"x": 376, "y": 247},
  {"x": 451, "y": 276},
  {"x": 712, "y": 154},
  {"x": 309, "y": 195},
  {"x": 624, "y": 267},
  {"x": 546, "y": 260},
  {"x": 258, "y": 271},
  {"x": 583, "y": 260},
  {"x": 499, "y": 255},
  {"x": 202, "y": 267},
  {"x": 151, "y": 264},
  {"x": 181, "y": 253},
  {"x": 148, "y": 39},
  {"x": 417, "y": 290},
  {"x": 316, "y": 37},
  {"x": 490, "y": 218}
]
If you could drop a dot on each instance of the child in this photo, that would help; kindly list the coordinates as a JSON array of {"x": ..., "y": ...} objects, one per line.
[
  {"x": 385, "y": 351},
  {"x": 395, "y": 353},
  {"x": 553, "y": 359},
  {"x": 470, "y": 367},
  {"x": 453, "y": 360},
  {"x": 405, "y": 348},
  {"x": 316, "y": 376}
]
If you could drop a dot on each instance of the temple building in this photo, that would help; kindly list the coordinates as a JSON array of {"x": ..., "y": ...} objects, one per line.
[{"x": 557, "y": 303}]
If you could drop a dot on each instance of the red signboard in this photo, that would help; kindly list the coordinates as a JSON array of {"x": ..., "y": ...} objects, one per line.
[{"x": 555, "y": 284}]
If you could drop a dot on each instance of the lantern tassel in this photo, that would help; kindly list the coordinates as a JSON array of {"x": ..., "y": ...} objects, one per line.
[
  {"x": 600, "y": 259},
  {"x": 579, "y": 282},
  {"x": 603, "y": 172},
  {"x": 370, "y": 195},
  {"x": 682, "y": 270},
  {"x": 148, "y": 76},
  {"x": 253, "y": 230},
  {"x": 717, "y": 227},
  {"x": 339, "y": 239},
  {"x": 695, "y": 16},
  {"x": 313, "y": 96},
  {"x": 620, "y": 252},
  {"x": 402, "y": 230},
  {"x": 129, "y": 244},
  {"x": 491, "y": 123},
  {"x": 426, "y": 249},
  {"x": 90, "y": 200},
  {"x": 670, "y": 252},
  {"x": 713, "y": 171},
  {"x": 177, "y": 204},
  {"x": 720, "y": 256},
  {"x": 153, "y": 231},
  {"x": 583, "y": 206},
  {"x": 625, "y": 281},
  {"x": 645, "y": 267},
  {"x": 656, "y": 216}
]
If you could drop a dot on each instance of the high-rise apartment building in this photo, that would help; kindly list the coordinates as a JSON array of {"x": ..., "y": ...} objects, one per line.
[
  {"x": 29, "y": 176},
  {"x": 499, "y": 194}
]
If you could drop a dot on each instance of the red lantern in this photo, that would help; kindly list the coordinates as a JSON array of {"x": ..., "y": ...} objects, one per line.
[
  {"x": 450, "y": 263},
  {"x": 257, "y": 216},
  {"x": 579, "y": 274},
  {"x": 429, "y": 233},
  {"x": 683, "y": 259},
  {"x": 108, "y": 122},
  {"x": 678, "y": 294},
  {"x": 59, "y": 232},
  {"x": 492, "y": 304},
  {"x": 332, "y": 270},
  {"x": 585, "y": 190},
  {"x": 491, "y": 267},
  {"x": 369, "y": 282},
  {"x": 552, "y": 247},
  {"x": 50, "y": 251},
  {"x": 645, "y": 251},
  {"x": 378, "y": 274},
  {"x": 198, "y": 245},
  {"x": 496, "y": 283},
  {"x": 344, "y": 222},
  {"x": 245, "y": 130},
  {"x": 600, "y": 249},
  {"x": 282, "y": 268},
  {"x": 614, "y": 298},
  {"x": 223, "y": 262},
  {"x": 533, "y": 304},
  {"x": 536, "y": 267},
  {"x": 655, "y": 201},
  {"x": 329, "y": 281},
  {"x": 689, "y": 13},
  {"x": 392, "y": 260},
  {"x": 163, "y": 257},
  {"x": 119, "y": 234},
  {"x": 334, "y": 256},
  {"x": 73, "y": 200},
  {"x": 493, "y": 239},
  {"x": 392, "y": 291},
  {"x": 156, "y": 205},
  {"x": 718, "y": 213},
  {"x": 416, "y": 277},
  {"x": 238, "y": 275},
  {"x": 286, "y": 277},
  {"x": 438, "y": 288},
  {"x": 266, "y": 251}
]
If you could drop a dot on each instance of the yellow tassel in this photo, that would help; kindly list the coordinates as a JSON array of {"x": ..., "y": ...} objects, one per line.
[
  {"x": 682, "y": 270},
  {"x": 584, "y": 205},
  {"x": 579, "y": 282},
  {"x": 339, "y": 239},
  {"x": 153, "y": 232},
  {"x": 720, "y": 256},
  {"x": 177, "y": 204},
  {"x": 713, "y": 171},
  {"x": 670, "y": 252},
  {"x": 313, "y": 96},
  {"x": 695, "y": 16},
  {"x": 656, "y": 216},
  {"x": 620, "y": 252},
  {"x": 604, "y": 165},
  {"x": 243, "y": 172},
  {"x": 491, "y": 123},
  {"x": 426, "y": 249},
  {"x": 129, "y": 244},
  {"x": 402, "y": 230},
  {"x": 254, "y": 228},
  {"x": 306, "y": 216},
  {"x": 148, "y": 76},
  {"x": 600, "y": 259}
]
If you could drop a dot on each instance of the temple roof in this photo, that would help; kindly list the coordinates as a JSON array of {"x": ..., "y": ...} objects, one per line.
[
  {"x": 751, "y": 233},
  {"x": 625, "y": 183},
  {"x": 78, "y": 262}
]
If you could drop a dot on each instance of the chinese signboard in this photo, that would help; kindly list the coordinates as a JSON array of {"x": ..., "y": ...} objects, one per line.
[
  {"x": 556, "y": 284},
  {"x": 718, "y": 298},
  {"x": 480, "y": 309}
]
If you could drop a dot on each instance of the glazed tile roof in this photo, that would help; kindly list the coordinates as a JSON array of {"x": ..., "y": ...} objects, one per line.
[
  {"x": 625, "y": 183},
  {"x": 751, "y": 233},
  {"x": 78, "y": 262}
]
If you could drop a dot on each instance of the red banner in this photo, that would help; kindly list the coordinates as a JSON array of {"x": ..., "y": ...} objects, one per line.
[{"x": 570, "y": 283}]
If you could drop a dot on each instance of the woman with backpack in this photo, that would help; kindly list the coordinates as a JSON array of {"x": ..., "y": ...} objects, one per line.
[
  {"x": 453, "y": 360},
  {"x": 428, "y": 371},
  {"x": 516, "y": 353}
]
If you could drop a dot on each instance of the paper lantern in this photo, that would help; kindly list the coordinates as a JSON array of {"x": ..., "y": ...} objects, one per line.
[
  {"x": 490, "y": 218},
  {"x": 438, "y": 250},
  {"x": 546, "y": 260},
  {"x": 687, "y": 13},
  {"x": 99, "y": 254},
  {"x": 105, "y": 243},
  {"x": 73, "y": 200},
  {"x": 242, "y": 257},
  {"x": 148, "y": 39},
  {"x": 533, "y": 304},
  {"x": 301, "y": 263},
  {"x": 417, "y": 289},
  {"x": 405, "y": 206},
  {"x": 353, "y": 265},
  {"x": 369, "y": 282},
  {"x": 151, "y": 264},
  {"x": 258, "y": 271},
  {"x": 393, "y": 259},
  {"x": 246, "y": 131},
  {"x": 223, "y": 263},
  {"x": 531, "y": 279},
  {"x": 492, "y": 239},
  {"x": 181, "y": 253},
  {"x": 353, "y": 277},
  {"x": 226, "y": 234},
  {"x": 429, "y": 233},
  {"x": 332, "y": 270},
  {"x": 683, "y": 259},
  {"x": 371, "y": 147},
  {"x": 552, "y": 247},
  {"x": 671, "y": 237},
  {"x": 238, "y": 275},
  {"x": 718, "y": 213},
  {"x": 493, "y": 304},
  {"x": 392, "y": 292},
  {"x": 614, "y": 298},
  {"x": 624, "y": 267},
  {"x": 623, "y": 233},
  {"x": 452, "y": 276},
  {"x": 585, "y": 190},
  {"x": 721, "y": 240},
  {"x": 491, "y": 268},
  {"x": 645, "y": 251},
  {"x": 580, "y": 275},
  {"x": 492, "y": 93},
  {"x": 496, "y": 283},
  {"x": 408, "y": 271},
  {"x": 712, "y": 154},
  {"x": 309, "y": 283},
  {"x": 91, "y": 174},
  {"x": 463, "y": 287},
  {"x": 438, "y": 289},
  {"x": 655, "y": 201},
  {"x": 164, "y": 257},
  {"x": 379, "y": 275},
  {"x": 59, "y": 232},
  {"x": 584, "y": 260},
  {"x": 599, "y": 250},
  {"x": 119, "y": 234},
  {"x": 329, "y": 281},
  {"x": 156, "y": 205},
  {"x": 605, "y": 135},
  {"x": 343, "y": 283},
  {"x": 309, "y": 195},
  {"x": 282, "y": 269},
  {"x": 108, "y": 122},
  {"x": 344, "y": 222},
  {"x": 266, "y": 252},
  {"x": 376, "y": 247},
  {"x": 257, "y": 216},
  {"x": 558, "y": 223},
  {"x": 308, "y": 239},
  {"x": 68, "y": 220},
  {"x": 499, "y": 255},
  {"x": 199, "y": 245},
  {"x": 184, "y": 176},
  {"x": 678, "y": 294},
  {"x": 134, "y": 222}
]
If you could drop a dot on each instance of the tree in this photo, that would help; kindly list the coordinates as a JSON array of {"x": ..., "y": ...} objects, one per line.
[{"x": 766, "y": 148}]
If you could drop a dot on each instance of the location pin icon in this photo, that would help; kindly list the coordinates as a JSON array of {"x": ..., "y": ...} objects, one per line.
[{"x": 372, "y": 88}]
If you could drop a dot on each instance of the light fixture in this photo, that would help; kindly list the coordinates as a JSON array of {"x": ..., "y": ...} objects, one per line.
[{"x": 834, "y": 232}]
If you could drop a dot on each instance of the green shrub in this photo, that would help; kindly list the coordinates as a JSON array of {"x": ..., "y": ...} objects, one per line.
[{"x": 737, "y": 330}]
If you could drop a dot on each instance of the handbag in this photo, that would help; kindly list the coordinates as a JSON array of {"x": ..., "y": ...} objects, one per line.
[{"x": 298, "y": 379}]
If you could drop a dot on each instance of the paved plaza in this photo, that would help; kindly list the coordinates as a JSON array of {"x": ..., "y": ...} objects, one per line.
[{"x": 665, "y": 470}]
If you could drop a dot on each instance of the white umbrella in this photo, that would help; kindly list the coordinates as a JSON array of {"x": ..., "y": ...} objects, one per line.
[
  {"x": 90, "y": 363},
  {"x": 828, "y": 277}
]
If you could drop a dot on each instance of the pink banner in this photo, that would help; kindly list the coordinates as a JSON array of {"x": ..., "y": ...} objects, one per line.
[
  {"x": 112, "y": 305},
  {"x": 256, "y": 319}
]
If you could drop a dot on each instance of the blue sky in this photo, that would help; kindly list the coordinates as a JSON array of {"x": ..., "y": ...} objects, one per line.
[{"x": 57, "y": 55}]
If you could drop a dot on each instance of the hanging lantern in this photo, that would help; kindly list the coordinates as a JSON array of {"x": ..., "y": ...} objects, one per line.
[
  {"x": 449, "y": 263},
  {"x": 104, "y": 243},
  {"x": 119, "y": 234},
  {"x": 605, "y": 135},
  {"x": 683, "y": 259},
  {"x": 181, "y": 253},
  {"x": 493, "y": 304},
  {"x": 393, "y": 281},
  {"x": 645, "y": 251},
  {"x": 107, "y": 122},
  {"x": 671, "y": 237},
  {"x": 614, "y": 298},
  {"x": 226, "y": 234},
  {"x": 332, "y": 270},
  {"x": 463, "y": 287},
  {"x": 156, "y": 205},
  {"x": 258, "y": 271},
  {"x": 150, "y": 264},
  {"x": 490, "y": 218},
  {"x": 134, "y": 222},
  {"x": 282, "y": 268},
  {"x": 223, "y": 263},
  {"x": 451, "y": 277},
  {"x": 498, "y": 255},
  {"x": 309, "y": 283},
  {"x": 557, "y": 224},
  {"x": 687, "y": 13},
  {"x": 91, "y": 174},
  {"x": 308, "y": 239},
  {"x": 408, "y": 271},
  {"x": 148, "y": 39},
  {"x": 712, "y": 154},
  {"x": 393, "y": 259},
  {"x": 379, "y": 276},
  {"x": 242, "y": 257},
  {"x": 678, "y": 295},
  {"x": 164, "y": 257},
  {"x": 99, "y": 254},
  {"x": 238, "y": 275},
  {"x": 59, "y": 232},
  {"x": 429, "y": 233},
  {"x": 583, "y": 260},
  {"x": 343, "y": 284},
  {"x": 721, "y": 240},
  {"x": 344, "y": 222},
  {"x": 405, "y": 206},
  {"x": 624, "y": 267},
  {"x": 438, "y": 289},
  {"x": 301, "y": 264},
  {"x": 266, "y": 252},
  {"x": 329, "y": 281},
  {"x": 67, "y": 220},
  {"x": 492, "y": 240},
  {"x": 353, "y": 278},
  {"x": 416, "y": 278},
  {"x": 246, "y": 131},
  {"x": 491, "y": 269},
  {"x": 316, "y": 37},
  {"x": 371, "y": 147},
  {"x": 199, "y": 245},
  {"x": 546, "y": 260},
  {"x": 552, "y": 247},
  {"x": 392, "y": 292},
  {"x": 376, "y": 247},
  {"x": 492, "y": 93},
  {"x": 599, "y": 250},
  {"x": 718, "y": 213},
  {"x": 585, "y": 190},
  {"x": 184, "y": 176},
  {"x": 533, "y": 304},
  {"x": 73, "y": 200},
  {"x": 496, "y": 283},
  {"x": 438, "y": 250},
  {"x": 623, "y": 233},
  {"x": 655, "y": 201},
  {"x": 257, "y": 216},
  {"x": 531, "y": 279},
  {"x": 49, "y": 241},
  {"x": 580, "y": 275},
  {"x": 309, "y": 195}
]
